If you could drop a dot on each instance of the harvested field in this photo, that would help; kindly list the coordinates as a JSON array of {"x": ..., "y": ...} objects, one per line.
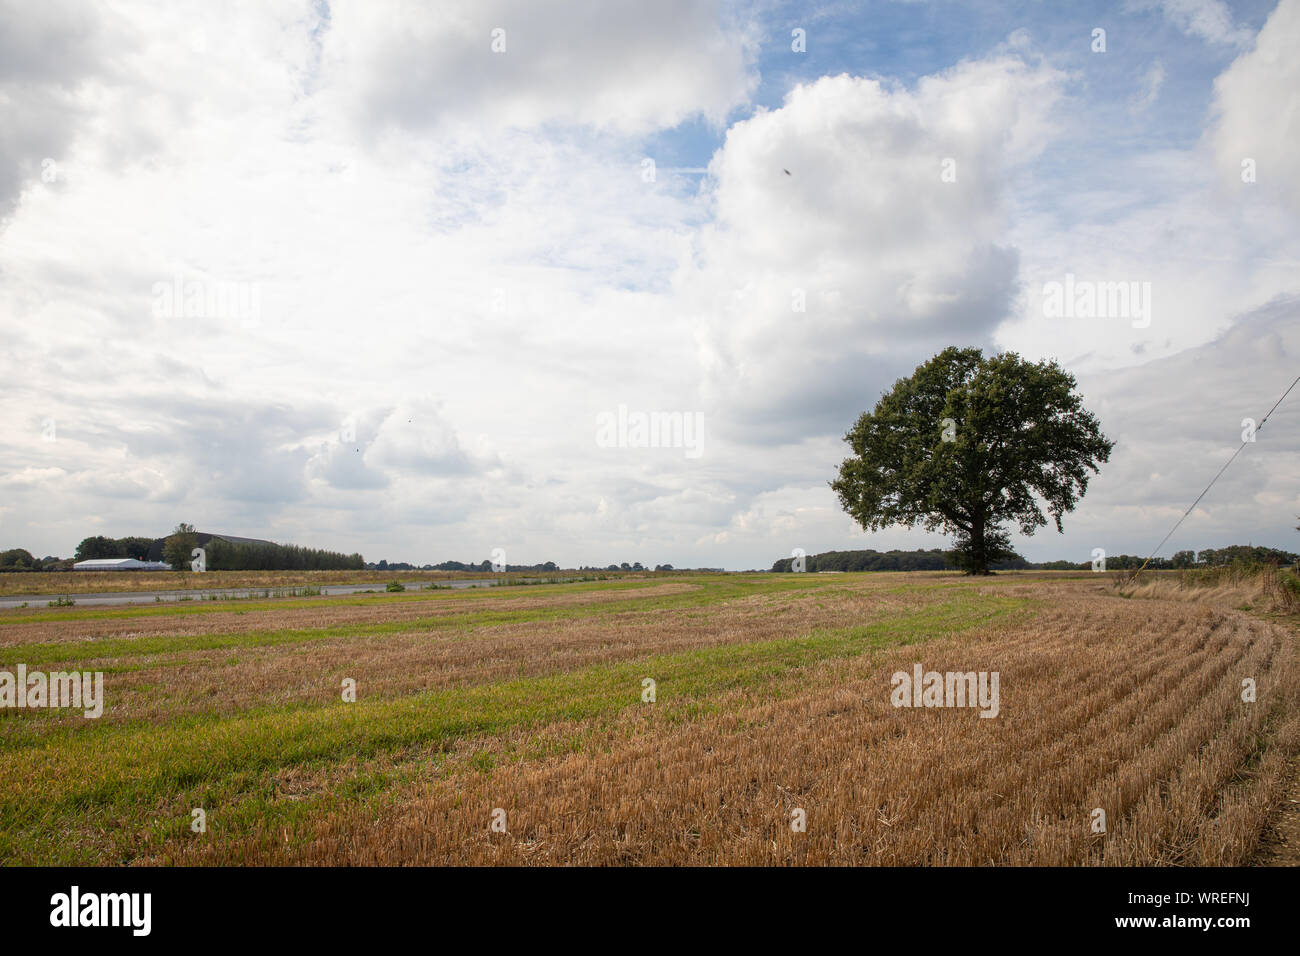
[
  {"x": 64, "y": 582},
  {"x": 772, "y": 695}
]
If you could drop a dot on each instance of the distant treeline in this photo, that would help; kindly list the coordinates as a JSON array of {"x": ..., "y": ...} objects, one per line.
[
  {"x": 228, "y": 556},
  {"x": 20, "y": 559},
  {"x": 870, "y": 560},
  {"x": 457, "y": 566},
  {"x": 1210, "y": 557},
  {"x": 937, "y": 559},
  {"x": 99, "y": 546},
  {"x": 487, "y": 566},
  {"x": 1244, "y": 552},
  {"x": 224, "y": 555}
]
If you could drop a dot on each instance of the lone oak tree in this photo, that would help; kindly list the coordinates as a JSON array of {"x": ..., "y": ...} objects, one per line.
[
  {"x": 179, "y": 546},
  {"x": 967, "y": 443}
]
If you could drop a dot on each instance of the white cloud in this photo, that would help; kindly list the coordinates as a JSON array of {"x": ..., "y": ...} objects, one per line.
[
  {"x": 1152, "y": 81},
  {"x": 1210, "y": 20},
  {"x": 1211, "y": 246},
  {"x": 1255, "y": 115},
  {"x": 622, "y": 65},
  {"x": 46, "y": 51},
  {"x": 886, "y": 256}
]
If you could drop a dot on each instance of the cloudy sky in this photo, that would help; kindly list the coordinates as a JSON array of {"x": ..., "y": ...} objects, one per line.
[{"x": 369, "y": 275}]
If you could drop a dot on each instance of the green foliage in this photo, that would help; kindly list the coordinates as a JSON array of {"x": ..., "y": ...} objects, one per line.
[
  {"x": 1236, "y": 555},
  {"x": 99, "y": 546},
  {"x": 179, "y": 546},
  {"x": 17, "y": 559},
  {"x": 20, "y": 559},
  {"x": 869, "y": 560},
  {"x": 225, "y": 555},
  {"x": 967, "y": 443},
  {"x": 461, "y": 566},
  {"x": 1291, "y": 582},
  {"x": 1131, "y": 562},
  {"x": 1245, "y": 553},
  {"x": 134, "y": 547}
]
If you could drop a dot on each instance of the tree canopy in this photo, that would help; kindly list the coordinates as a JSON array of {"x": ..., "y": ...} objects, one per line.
[
  {"x": 179, "y": 547},
  {"x": 222, "y": 555},
  {"x": 99, "y": 546},
  {"x": 968, "y": 443}
]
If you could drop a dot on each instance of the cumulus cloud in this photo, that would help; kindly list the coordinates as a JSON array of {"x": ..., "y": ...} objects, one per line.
[
  {"x": 1256, "y": 130},
  {"x": 46, "y": 52},
  {"x": 623, "y": 65},
  {"x": 1211, "y": 237},
  {"x": 414, "y": 437},
  {"x": 883, "y": 240}
]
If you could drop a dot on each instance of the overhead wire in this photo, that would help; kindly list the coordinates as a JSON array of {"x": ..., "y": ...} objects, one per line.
[{"x": 1244, "y": 443}]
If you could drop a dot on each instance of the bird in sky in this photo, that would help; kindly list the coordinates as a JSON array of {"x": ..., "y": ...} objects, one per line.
[{"x": 786, "y": 171}]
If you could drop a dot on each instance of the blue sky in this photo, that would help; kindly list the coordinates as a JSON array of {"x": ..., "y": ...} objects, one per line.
[
  {"x": 905, "y": 41},
  {"x": 452, "y": 264}
]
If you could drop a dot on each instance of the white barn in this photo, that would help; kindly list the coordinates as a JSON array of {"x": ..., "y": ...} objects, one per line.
[{"x": 120, "y": 564}]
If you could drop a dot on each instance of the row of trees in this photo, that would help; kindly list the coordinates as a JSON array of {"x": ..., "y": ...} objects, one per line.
[
  {"x": 20, "y": 559},
  {"x": 458, "y": 566},
  {"x": 1210, "y": 557},
  {"x": 1243, "y": 553},
  {"x": 222, "y": 555},
  {"x": 870, "y": 560},
  {"x": 487, "y": 566},
  {"x": 226, "y": 556},
  {"x": 937, "y": 559},
  {"x": 99, "y": 546}
]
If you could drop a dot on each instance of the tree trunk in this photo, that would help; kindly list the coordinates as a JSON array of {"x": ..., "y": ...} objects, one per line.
[{"x": 979, "y": 548}]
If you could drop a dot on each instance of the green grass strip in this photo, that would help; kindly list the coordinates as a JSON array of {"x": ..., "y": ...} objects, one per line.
[{"x": 69, "y": 773}]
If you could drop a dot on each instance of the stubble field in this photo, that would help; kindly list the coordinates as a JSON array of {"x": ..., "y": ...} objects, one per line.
[{"x": 513, "y": 726}]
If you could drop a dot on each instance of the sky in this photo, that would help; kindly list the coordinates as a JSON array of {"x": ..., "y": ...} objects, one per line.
[{"x": 402, "y": 278}]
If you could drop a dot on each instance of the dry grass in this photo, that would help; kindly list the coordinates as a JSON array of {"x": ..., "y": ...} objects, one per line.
[
  {"x": 89, "y": 623},
  {"x": 87, "y": 582},
  {"x": 773, "y": 694},
  {"x": 401, "y": 662},
  {"x": 1261, "y": 588},
  {"x": 1142, "y": 718}
]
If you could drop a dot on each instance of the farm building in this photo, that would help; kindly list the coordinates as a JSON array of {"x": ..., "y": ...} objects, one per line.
[
  {"x": 156, "y": 549},
  {"x": 120, "y": 564}
]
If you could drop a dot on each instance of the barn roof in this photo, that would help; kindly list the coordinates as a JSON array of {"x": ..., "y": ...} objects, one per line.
[
  {"x": 118, "y": 564},
  {"x": 203, "y": 537}
]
